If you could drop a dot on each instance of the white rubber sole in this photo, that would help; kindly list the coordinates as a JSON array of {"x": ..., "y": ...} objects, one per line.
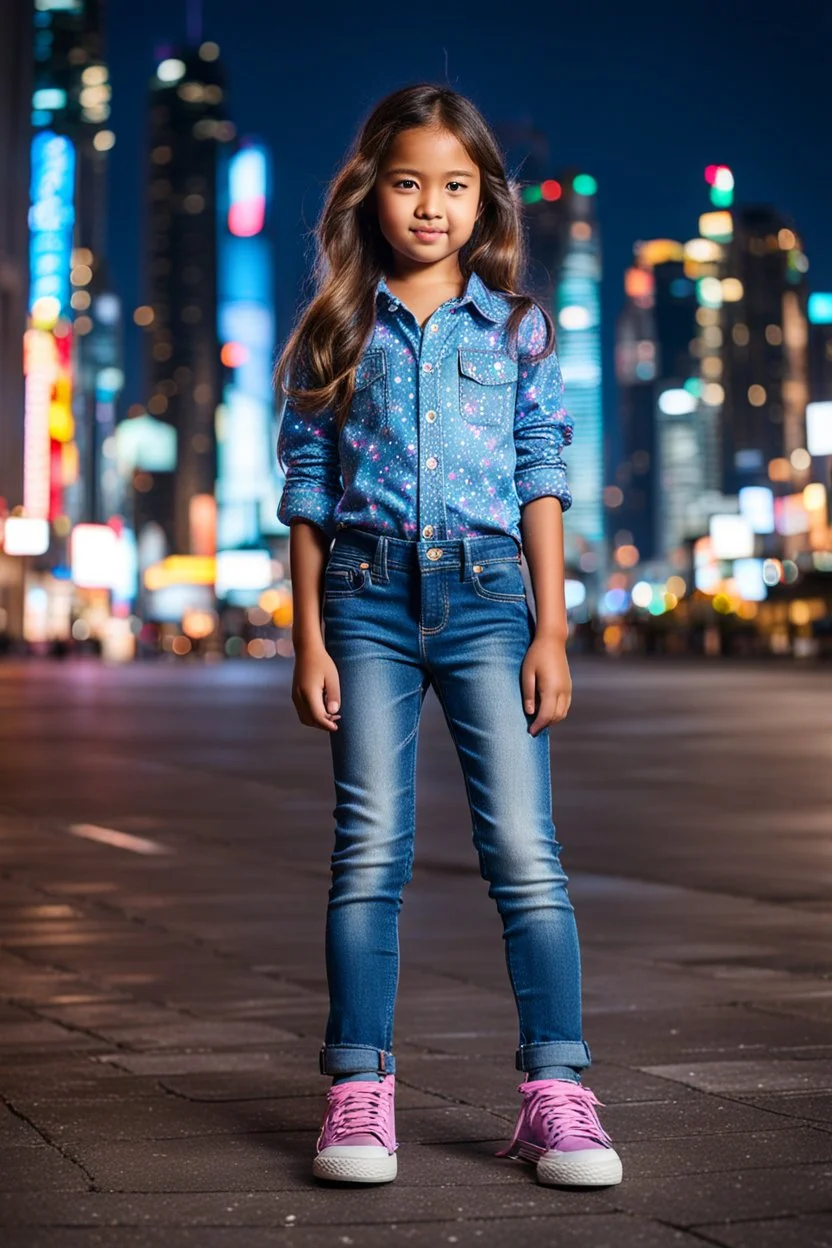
[
  {"x": 588, "y": 1167},
  {"x": 355, "y": 1163}
]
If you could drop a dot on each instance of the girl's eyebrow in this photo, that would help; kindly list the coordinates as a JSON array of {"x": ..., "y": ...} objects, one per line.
[{"x": 464, "y": 173}]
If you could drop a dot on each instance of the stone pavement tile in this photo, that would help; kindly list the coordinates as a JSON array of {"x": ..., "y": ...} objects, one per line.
[
  {"x": 493, "y": 1084},
  {"x": 244, "y": 1087},
  {"x": 690, "y": 1114},
  {"x": 812, "y": 1231},
  {"x": 810, "y": 1106},
  {"x": 729, "y": 1195},
  {"x": 599, "y": 1231},
  {"x": 647, "y": 1037},
  {"x": 39, "y": 1034},
  {"x": 73, "y": 1077},
  {"x": 39, "y": 1170},
  {"x": 741, "y": 1150},
  {"x": 95, "y": 1015},
  {"x": 274, "y": 1162},
  {"x": 16, "y": 1131},
  {"x": 169, "y": 1117},
  {"x": 314, "y": 1204},
  {"x": 180, "y": 1033},
  {"x": 218, "y": 1061},
  {"x": 750, "y": 1076}
]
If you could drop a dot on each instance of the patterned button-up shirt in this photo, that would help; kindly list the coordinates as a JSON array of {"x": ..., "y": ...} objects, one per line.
[{"x": 448, "y": 435}]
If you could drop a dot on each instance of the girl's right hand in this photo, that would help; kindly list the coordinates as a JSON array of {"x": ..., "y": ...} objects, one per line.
[{"x": 316, "y": 688}]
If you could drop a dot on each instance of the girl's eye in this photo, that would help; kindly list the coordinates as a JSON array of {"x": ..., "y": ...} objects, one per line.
[{"x": 457, "y": 185}]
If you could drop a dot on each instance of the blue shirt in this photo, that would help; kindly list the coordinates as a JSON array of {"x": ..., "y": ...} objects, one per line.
[{"x": 448, "y": 435}]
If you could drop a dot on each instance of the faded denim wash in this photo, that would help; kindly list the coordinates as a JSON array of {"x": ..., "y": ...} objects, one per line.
[
  {"x": 448, "y": 434},
  {"x": 399, "y": 617}
]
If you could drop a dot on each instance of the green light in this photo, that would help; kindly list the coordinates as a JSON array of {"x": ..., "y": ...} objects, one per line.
[
  {"x": 693, "y": 385},
  {"x": 532, "y": 194},
  {"x": 721, "y": 198},
  {"x": 584, "y": 184}
]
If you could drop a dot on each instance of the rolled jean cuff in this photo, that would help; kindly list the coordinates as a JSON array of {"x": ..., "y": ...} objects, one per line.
[
  {"x": 553, "y": 1053},
  {"x": 354, "y": 1059}
]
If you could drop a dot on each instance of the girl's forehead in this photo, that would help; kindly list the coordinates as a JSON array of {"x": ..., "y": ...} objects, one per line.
[{"x": 429, "y": 144}]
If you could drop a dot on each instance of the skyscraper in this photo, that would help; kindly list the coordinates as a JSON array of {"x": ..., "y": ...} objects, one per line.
[
  {"x": 656, "y": 371},
  {"x": 187, "y": 125},
  {"x": 763, "y": 324},
  {"x": 565, "y": 274}
]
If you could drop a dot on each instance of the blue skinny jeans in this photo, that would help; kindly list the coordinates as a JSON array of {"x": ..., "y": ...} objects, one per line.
[{"x": 399, "y": 616}]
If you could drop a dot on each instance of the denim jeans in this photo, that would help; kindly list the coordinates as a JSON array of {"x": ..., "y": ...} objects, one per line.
[{"x": 400, "y": 616}]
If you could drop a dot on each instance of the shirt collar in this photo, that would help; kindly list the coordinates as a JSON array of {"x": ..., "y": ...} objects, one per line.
[{"x": 476, "y": 292}]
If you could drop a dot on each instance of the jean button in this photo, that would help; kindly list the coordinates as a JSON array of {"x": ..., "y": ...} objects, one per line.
[{"x": 434, "y": 553}]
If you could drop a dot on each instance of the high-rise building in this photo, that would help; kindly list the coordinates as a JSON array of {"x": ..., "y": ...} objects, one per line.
[
  {"x": 565, "y": 274},
  {"x": 71, "y": 100},
  {"x": 762, "y": 319},
  {"x": 188, "y": 126},
  {"x": 15, "y": 107},
  {"x": 658, "y": 474}
]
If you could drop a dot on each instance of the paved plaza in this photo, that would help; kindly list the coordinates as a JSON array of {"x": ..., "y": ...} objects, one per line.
[{"x": 165, "y": 832}]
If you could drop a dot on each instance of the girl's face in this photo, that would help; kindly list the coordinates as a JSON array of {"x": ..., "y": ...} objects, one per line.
[{"x": 427, "y": 195}]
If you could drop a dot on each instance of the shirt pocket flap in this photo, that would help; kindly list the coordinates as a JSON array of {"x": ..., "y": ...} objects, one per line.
[
  {"x": 490, "y": 368},
  {"x": 370, "y": 366}
]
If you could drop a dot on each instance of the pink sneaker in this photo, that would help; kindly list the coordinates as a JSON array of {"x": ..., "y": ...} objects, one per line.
[
  {"x": 357, "y": 1143},
  {"x": 559, "y": 1130}
]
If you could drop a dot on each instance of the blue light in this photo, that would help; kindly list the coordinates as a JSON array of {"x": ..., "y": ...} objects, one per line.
[
  {"x": 681, "y": 288},
  {"x": 51, "y": 217},
  {"x": 820, "y": 308}
]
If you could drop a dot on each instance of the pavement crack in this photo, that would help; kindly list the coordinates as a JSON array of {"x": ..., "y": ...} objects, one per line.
[{"x": 50, "y": 1141}]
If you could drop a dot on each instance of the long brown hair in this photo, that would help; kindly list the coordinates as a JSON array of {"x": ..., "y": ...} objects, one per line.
[{"x": 352, "y": 254}]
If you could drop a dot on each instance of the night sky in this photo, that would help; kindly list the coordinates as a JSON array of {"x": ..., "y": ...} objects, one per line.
[{"x": 641, "y": 95}]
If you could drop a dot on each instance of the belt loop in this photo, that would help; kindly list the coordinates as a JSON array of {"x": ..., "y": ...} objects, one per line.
[
  {"x": 466, "y": 559},
  {"x": 379, "y": 569}
]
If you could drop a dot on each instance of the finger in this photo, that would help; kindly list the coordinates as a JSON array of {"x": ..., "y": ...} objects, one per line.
[
  {"x": 332, "y": 694},
  {"x": 562, "y": 706},
  {"x": 313, "y": 701},
  {"x": 545, "y": 712},
  {"x": 528, "y": 685}
]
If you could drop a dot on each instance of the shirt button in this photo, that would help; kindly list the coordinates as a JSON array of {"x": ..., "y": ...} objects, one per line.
[
  {"x": 427, "y": 531},
  {"x": 430, "y": 417},
  {"x": 434, "y": 553},
  {"x": 434, "y": 329},
  {"x": 431, "y": 462},
  {"x": 427, "y": 368},
  {"x": 391, "y": 307}
]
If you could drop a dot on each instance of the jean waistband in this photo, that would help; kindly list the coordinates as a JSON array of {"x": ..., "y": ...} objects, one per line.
[{"x": 431, "y": 556}]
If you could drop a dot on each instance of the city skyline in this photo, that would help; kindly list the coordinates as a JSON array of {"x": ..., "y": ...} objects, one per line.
[{"x": 653, "y": 113}]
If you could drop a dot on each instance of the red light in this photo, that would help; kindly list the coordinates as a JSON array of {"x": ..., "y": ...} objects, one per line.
[
  {"x": 246, "y": 216},
  {"x": 233, "y": 354},
  {"x": 710, "y": 174},
  {"x": 550, "y": 189}
]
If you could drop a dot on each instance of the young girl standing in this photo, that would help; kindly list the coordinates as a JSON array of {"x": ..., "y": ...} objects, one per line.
[{"x": 422, "y": 431}]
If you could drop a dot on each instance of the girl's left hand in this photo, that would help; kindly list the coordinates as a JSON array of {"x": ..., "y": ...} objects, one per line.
[{"x": 545, "y": 672}]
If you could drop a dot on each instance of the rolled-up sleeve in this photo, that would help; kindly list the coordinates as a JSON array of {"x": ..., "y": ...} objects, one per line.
[
  {"x": 307, "y": 450},
  {"x": 542, "y": 426}
]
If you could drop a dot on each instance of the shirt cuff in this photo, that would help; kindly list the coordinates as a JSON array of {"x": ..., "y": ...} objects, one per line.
[
  {"x": 542, "y": 482},
  {"x": 304, "y": 504}
]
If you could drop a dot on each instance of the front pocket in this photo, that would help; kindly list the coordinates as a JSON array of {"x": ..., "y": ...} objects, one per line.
[
  {"x": 500, "y": 581},
  {"x": 487, "y": 386},
  {"x": 345, "y": 581}
]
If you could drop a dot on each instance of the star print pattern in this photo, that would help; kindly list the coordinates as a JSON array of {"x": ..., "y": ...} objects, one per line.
[{"x": 448, "y": 434}]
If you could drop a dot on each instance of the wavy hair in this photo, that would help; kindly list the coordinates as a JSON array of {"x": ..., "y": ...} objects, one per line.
[{"x": 352, "y": 254}]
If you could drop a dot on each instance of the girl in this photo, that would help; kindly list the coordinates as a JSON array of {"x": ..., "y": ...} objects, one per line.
[{"x": 422, "y": 431}]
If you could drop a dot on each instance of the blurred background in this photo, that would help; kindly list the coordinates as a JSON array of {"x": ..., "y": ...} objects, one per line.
[{"x": 162, "y": 166}]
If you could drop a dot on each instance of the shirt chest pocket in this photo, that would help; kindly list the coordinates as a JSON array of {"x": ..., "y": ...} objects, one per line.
[
  {"x": 487, "y": 386},
  {"x": 368, "y": 410}
]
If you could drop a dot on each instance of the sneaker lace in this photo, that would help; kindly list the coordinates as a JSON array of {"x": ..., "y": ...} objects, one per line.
[
  {"x": 359, "y": 1109},
  {"x": 561, "y": 1111}
]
